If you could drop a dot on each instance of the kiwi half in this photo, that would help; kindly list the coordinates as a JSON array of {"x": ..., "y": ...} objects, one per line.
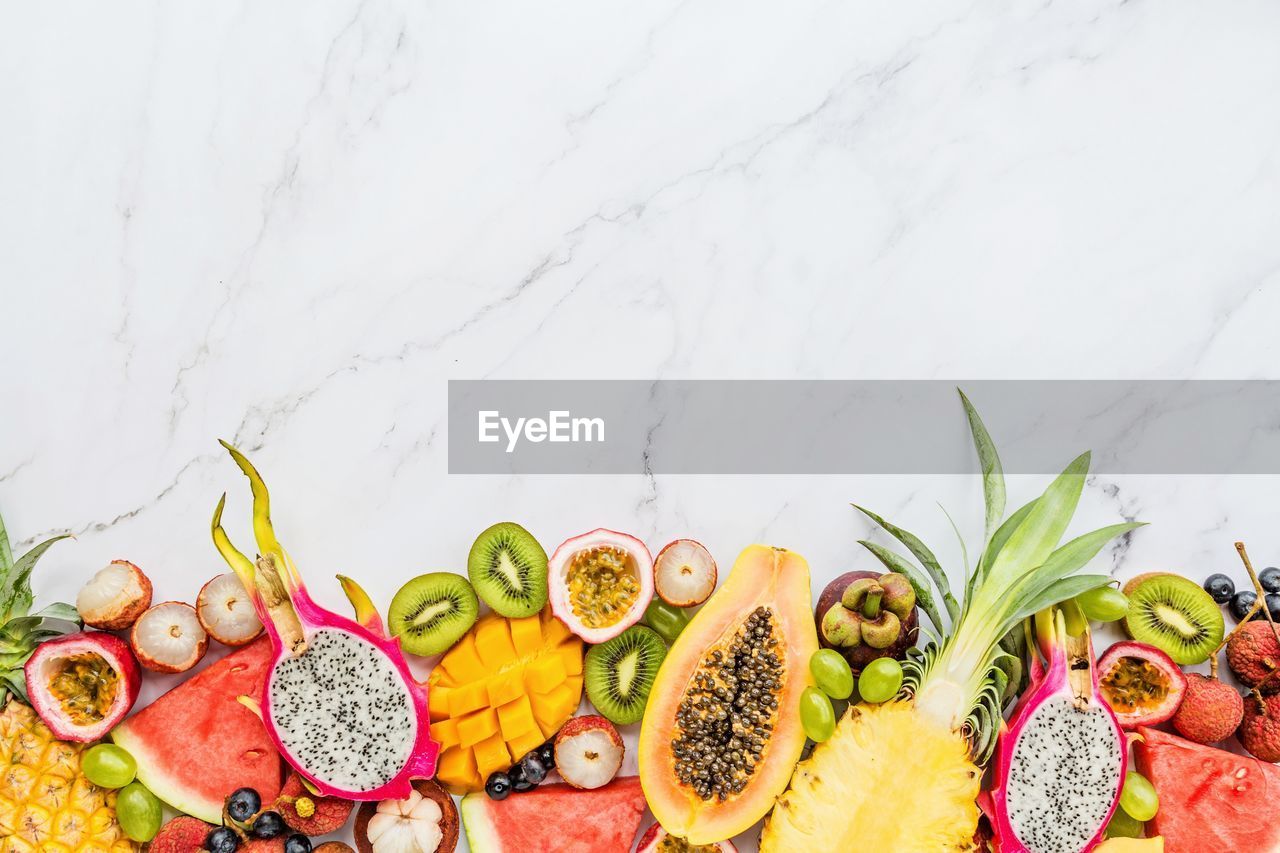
[
  {"x": 1175, "y": 615},
  {"x": 620, "y": 673},
  {"x": 509, "y": 570},
  {"x": 431, "y": 612}
]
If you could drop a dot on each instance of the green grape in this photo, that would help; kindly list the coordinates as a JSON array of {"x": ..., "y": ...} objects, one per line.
[
  {"x": 880, "y": 680},
  {"x": 816, "y": 715},
  {"x": 1122, "y": 825},
  {"x": 666, "y": 620},
  {"x": 1139, "y": 798},
  {"x": 138, "y": 812},
  {"x": 108, "y": 766},
  {"x": 1103, "y": 604},
  {"x": 832, "y": 673}
]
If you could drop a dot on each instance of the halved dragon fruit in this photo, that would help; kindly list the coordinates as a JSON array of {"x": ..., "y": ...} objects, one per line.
[
  {"x": 340, "y": 702},
  {"x": 1061, "y": 763}
]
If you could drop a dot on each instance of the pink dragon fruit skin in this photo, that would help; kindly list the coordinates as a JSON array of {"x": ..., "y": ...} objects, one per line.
[
  {"x": 1068, "y": 685},
  {"x": 295, "y": 622}
]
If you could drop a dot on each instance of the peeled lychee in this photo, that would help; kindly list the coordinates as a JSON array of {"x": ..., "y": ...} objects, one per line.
[
  {"x": 115, "y": 597},
  {"x": 169, "y": 638},
  {"x": 1254, "y": 655},
  {"x": 588, "y": 752},
  {"x": 1260, "y": 730},
  {"x": 1210, "y": 710},
  {"x": 684, "y": 574},
  {"x": 226, "y": 611}
]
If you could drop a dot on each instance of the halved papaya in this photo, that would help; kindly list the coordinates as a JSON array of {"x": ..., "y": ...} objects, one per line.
[{"x": 722, "y": 735}]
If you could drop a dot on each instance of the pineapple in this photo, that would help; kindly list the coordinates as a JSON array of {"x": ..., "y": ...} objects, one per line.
[
  {"x": 904, "y": 776},
  {"x": 45, "y": 804}
]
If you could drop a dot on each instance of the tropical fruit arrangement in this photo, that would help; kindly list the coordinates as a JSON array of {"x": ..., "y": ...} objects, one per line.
[{"x": 898, "y": 714}]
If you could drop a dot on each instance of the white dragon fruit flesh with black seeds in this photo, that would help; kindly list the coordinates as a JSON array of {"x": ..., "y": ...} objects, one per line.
[
  {"x": 1063, "y": 777},
  {"x": 361, "y": 740}
]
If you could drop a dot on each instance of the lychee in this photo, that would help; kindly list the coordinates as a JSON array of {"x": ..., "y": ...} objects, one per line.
[
  {"x": 588, "y": 752},
  {"x": 311, "y": 814},
  {"x": 1260, "y": 730},
  {"x": 1254, "y": 656},
  {"x": 1210, "y": 710},
  {"x": 183, "y": 834}
]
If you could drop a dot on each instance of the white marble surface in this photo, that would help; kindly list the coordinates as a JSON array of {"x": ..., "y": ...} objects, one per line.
[{"x": 288, "y": 226}]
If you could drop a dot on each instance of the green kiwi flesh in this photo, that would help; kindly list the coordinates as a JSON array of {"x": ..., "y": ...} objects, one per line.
[
  {"x": 620, "y": 673},
  {"x": 1176, "y": 616},
  {"x": 431, "y": 612},
  {"x": 508, "y": 568}
]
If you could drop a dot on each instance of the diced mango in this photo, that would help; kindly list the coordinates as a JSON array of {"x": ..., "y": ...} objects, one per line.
[
  {"x": 446, "y": 732},
  {"x": 438, "y": 703},
  {"x": 544, "y": 674},
  {"x": 526, "y": 635},
  {"x": 462, "y": 664},
  {"x": 516, "y": 718},
  {"x": 467, "y": 698},
  {"x": 492, "y": 755},
  {"x": 571, "y": 657},
  {"x": 554, "y": 708},
  {"x": 499, "y": 693},
  {"x": 477, "y": 727},
  {"x": 493, "y": 643},
  {"x": 521, "y": 746},
  {"x": 505, "y": 688}
]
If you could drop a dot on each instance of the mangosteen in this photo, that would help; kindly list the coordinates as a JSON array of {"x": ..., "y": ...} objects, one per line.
[
  {"x": 396, "y": 817},
  {"x": 867, "y": 615}
]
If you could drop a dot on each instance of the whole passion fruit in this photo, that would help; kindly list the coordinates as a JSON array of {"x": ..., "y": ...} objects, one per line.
[
  {"x": 867, "y": 615},
  {"x": 1141, "y": 684}
]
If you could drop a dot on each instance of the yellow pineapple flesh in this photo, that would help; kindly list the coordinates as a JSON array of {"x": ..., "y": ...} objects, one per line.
[
  {"x": 46, "y": 805},
  {"x": 890, "y": 779}
]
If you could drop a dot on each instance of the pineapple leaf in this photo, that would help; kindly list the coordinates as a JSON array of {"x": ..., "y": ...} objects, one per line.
[
  {"x": 16, "y": 682},
  {"x": 921, "y": 553},
  {"x": 15, "y": 594},
  {"x": 1045, "y": 579},
  {"x": 1061, "y": 590},
  {"x": 964, "y": 549},
  {"x": 993, "y": 491},
  {"x": 897, "y": 563},
  {"x": 997, "y": 544},
  {"x": 6, "y": 554}
]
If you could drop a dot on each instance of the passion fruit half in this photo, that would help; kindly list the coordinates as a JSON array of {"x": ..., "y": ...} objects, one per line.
[
  {"x": 1142, "y": 684},
  {"x": 427, "y": 817},
  {"x": 600, "y": 583},
  {"x": 81, "y": 685},
  {"x": 658, "y": 840}
]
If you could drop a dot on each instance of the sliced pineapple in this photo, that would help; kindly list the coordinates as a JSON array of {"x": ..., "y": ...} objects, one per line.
[
  {"x": 500, "y": 692},
  {"x": 45, "y": 804}
]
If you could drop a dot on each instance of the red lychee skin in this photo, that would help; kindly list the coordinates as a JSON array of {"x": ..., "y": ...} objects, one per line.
[
  {"x": 262, "y": 845},
  {"x": 1253, "y": 655},
  {"x": 183, "y": 834},
  {"x": 1260, "y": 730},
  {"x": 1210, "y": 710},
  {"x": 330, "y": 815},
  {"x": 655, "y": 834}
]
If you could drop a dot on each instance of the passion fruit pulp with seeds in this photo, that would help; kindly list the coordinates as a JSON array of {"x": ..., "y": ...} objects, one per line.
[
  {"x": 1141, "y": 684},
  {"x": 658, "y": 840},
  {"x": 600, "y": 583},
  {"x": 721, "y": 733}
]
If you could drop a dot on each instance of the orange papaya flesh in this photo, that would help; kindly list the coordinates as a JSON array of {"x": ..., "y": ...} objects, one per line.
[{"x": 756, "y": 631}]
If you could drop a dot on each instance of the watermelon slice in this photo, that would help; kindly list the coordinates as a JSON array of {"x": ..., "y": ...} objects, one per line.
[
  {"x": 197, "y": 743},
  {"x": 556, "y": 817},
  {"x": 1210, "y": 799}
]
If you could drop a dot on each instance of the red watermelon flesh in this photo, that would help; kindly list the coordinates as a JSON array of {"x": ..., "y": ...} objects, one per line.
[
  {"x": 1210, "y": 799},
  {"x": 556, "y": 817},
  {"x": 197, "y": 743}
]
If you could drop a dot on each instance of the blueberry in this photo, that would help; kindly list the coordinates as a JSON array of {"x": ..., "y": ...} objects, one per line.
[
  {"x": 267, "y": 825},
  {"x": 222, "y": 839},
  {"x": 243, "y": 804},
  {"x": 1270, "y": 579},
  {"x": 1220, "y": 588},
  {"x": 534, "y": 770},
  {"x": 498, "y": 786},
  {"x": 1273, "y": 606},
  {"x": 1241, "y": 602},
  {"x": 297, "y": 843},
  {"x": 547, "y": 754},
  {"x": 519, "y": 783}
]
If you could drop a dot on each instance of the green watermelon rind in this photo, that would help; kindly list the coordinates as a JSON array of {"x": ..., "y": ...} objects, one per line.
[
  {"x": 475, "y": 820},
  {"x": 168, "y": 789}
]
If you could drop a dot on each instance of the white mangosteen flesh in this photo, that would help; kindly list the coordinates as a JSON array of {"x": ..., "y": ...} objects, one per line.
[{"x": 406, "y": 826}]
